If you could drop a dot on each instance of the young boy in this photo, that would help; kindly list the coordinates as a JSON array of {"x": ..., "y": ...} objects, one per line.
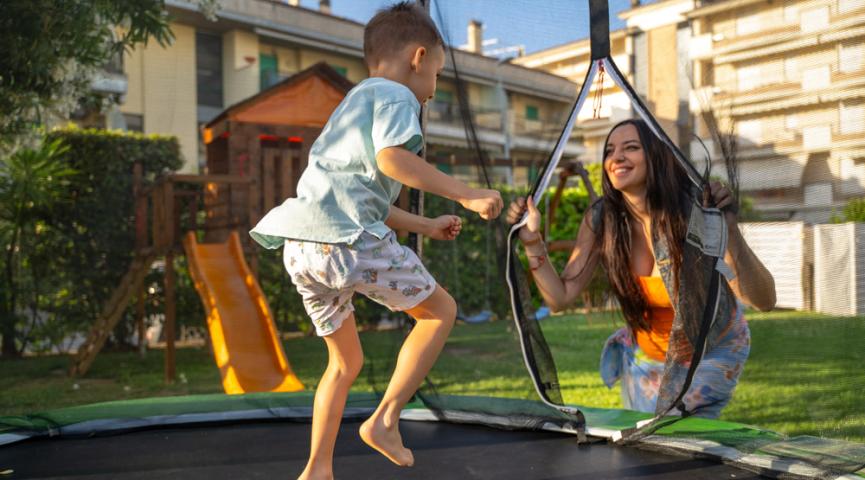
[{"x": 338, "y": 233}]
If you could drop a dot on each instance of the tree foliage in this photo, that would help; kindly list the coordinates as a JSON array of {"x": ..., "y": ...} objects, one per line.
[
  {"x": 51, "y": 49},
  {"x": 72, "y": 209}
]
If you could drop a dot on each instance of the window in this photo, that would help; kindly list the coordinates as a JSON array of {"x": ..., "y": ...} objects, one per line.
[
  {"x": 749, "y": 77},
  {"x": 340, "y": 70},
  {"x": 818, "y": 194},
  {"x": 134, "y": 123},
  {"x": 747, "y": 25},
  {"x": 532, "y": 112},
  {"x": 848, "y": 169},
  {"x": 444, "y": 96},
  {"x": 816, "y": 138},
  {"x": 791, "y": 14},
  {"x": 816, "y": 78},
  {"x": 851, "y": 58},
  {"x": 751, "y": 130},
  {"x": 845, "y": 6},
  {"x": 208, "y": 69},
  {"x": 851, "y": 118},
  {"x": 815, "y": 19},
  {"x": 791, "y": 69},
  {"x": 268, "y": 71}
]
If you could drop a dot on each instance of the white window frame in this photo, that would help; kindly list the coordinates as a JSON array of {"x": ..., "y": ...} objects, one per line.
[
  {"x": 817, "y": 138},
  {"x": 791, "y": 14},
  {"x": 814, "y": 19},
  {"x": 751, "y": 130},
  {"x": 817, "y": 78},
  {"x": 748, "y": 24},
  {"x": 845, "y": 6},
  {"x": 791, "y": 69},
  {"x": 749, "y": 77},
  {"x": 851, "y": 58},
  {"x": 851, "y": 118}
]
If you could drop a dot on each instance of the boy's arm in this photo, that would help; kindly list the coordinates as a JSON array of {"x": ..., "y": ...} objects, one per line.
[
  {"x": 399, "y": 219},
  {"x": 411, "y": 170},
  {"x": 444, "y": 227}
]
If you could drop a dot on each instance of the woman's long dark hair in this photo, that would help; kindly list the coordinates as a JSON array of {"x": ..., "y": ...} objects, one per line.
[{"x": 668, "y": 195}]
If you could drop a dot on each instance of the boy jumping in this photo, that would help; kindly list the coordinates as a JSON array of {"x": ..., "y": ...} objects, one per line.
[{"x": 338, "y": 233}]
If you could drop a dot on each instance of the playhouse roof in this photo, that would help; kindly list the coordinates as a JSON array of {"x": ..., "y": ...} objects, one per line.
[{"x": 305, "y": 99}]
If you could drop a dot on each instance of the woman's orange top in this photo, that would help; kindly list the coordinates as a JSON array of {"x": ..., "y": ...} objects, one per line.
[{"x": 654, "y": 342}]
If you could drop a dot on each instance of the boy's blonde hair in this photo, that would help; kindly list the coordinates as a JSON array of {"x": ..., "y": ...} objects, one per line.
[{"x": 395, "y": 27}]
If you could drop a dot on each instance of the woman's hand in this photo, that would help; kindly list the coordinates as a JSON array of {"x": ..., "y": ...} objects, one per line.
[
  {"x": 445, "y": 227},
  {"x": 723, "y": 199},
  {"x": 531, "y": 230}
]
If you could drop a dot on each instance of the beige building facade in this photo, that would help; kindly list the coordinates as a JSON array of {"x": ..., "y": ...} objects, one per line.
[
  {"x": 786, "y": 79},
  {"x": 256, "y": 43},
  {"x": 649, "y": 52},
  {"x": 789, "y": 79}
]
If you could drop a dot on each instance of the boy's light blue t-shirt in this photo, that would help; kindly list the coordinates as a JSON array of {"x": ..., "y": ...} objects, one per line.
[{"x": 342, "y": 192}]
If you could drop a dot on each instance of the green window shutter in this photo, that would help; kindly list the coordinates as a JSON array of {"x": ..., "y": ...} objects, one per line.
[
  {"x": 444, "y": 96},
  {"x": 533, "y": 174},
  {"x": 341, "y": 70},
  {"x": 269, "y": 73},
  {"x": 444, "y": 167},
  {"x": 531, "y": 112}
]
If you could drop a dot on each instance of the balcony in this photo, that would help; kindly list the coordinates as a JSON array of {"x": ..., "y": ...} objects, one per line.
[
  {"x": 491, "y": 119},
  {"x": 700, "y": 47},
  {"x": 110, "y": 83},
  {"x": 449, "y": 113}
]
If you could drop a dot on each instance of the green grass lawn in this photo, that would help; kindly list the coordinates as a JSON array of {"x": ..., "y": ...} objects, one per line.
[{"x": 805, "y": 375}]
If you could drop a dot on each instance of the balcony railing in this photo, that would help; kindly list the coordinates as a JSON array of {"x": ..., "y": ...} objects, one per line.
[{"x": 491, "y": 119}]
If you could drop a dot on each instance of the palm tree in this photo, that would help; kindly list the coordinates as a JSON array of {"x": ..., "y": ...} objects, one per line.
[{"x": 31, "y": 185}]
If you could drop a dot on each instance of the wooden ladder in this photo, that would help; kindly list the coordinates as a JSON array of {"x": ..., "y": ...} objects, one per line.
[{"x": 129, "y": 285}]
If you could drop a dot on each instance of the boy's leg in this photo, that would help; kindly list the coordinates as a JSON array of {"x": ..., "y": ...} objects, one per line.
[
  {"x": 435, "y": 317},
  {"x": 345, "y": 359}
]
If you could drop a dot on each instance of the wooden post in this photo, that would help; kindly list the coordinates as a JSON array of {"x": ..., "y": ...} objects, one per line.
[
  {"x": 170, "y": 283},
  {"x": 250, "y": 207},
  {"x": 139, "y": 322},
  {"x": 141, "y": 242},
  {"x": 170, "y": 312}
]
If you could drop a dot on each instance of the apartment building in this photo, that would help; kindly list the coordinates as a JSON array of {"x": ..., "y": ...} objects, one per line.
[
  {"x": 254, "y": 44},
  {"x": 652, "y": 53},
  {"x": 789, "y": 79},
  {"x": 785, "y": 79}
]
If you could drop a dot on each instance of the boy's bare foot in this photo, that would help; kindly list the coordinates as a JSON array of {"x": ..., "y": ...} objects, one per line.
[
  {"x": 315, "y": 474},
  {"x": 387, "y": 441}
]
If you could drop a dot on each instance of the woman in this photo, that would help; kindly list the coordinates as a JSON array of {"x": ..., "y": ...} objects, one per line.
[{"x": 642, "y": 232}]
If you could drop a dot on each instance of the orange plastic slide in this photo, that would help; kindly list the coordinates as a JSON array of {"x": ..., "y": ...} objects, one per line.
[{"x": 245, "y": 343}]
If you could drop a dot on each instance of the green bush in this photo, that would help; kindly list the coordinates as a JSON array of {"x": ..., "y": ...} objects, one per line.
[
  {"x": 79, "y": 250},
  {"x": 854, "y": 211}
]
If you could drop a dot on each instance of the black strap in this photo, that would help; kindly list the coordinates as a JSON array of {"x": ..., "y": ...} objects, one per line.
[
  {"x": 705, "y": 326},
  {"x": 599, "y": 15}
]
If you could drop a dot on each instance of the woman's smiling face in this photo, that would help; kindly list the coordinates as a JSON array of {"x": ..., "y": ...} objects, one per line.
[{"x": 625, "y": 160}]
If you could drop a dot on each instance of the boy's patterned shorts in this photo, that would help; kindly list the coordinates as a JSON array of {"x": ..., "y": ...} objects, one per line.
[{"x": 328, "y": 274}]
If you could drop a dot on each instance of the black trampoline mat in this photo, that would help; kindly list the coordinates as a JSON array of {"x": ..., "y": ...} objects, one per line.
[{"x": 270, "y": 450}]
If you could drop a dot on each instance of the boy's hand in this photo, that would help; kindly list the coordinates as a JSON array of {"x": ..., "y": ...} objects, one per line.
[
  {"x": 486, "y": 203},
  {"x": 445, "y": 227},
  {"x": 531, "y": 230}
]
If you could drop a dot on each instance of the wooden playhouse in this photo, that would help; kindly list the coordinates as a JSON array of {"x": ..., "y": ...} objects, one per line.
[{"x": 267, "y": 137}]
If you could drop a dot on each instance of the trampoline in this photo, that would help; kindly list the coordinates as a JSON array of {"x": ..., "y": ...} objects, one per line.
[
  {"x": 266, "y": 435},
  {"x": 280, "y": 449},
  {"x": 461, "y": 437}
]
